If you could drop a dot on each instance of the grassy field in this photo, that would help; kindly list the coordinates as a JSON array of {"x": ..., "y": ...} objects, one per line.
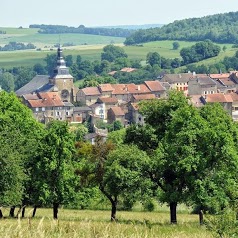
[
  {"x": 88, "y": 46},
  {"x": 87, "y": 223}
]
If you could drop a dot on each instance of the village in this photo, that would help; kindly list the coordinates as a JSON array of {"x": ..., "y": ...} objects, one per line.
[{"x": 54, "y": 97}]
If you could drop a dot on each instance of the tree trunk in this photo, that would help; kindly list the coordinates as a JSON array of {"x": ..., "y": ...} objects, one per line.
[
  {"x": 201, "y": 217},
  {"x": 55, "y": 210},
  {"x": 173, "y": 212},
  {"x": 114, "y": 210},
  {"x": 34, "y": 211},
  {"x": 1, "y": 215},
  {"x": 11, "y": 214},
  {"x": 19, "y": 211},
  {"x": 23, "y": 211}
]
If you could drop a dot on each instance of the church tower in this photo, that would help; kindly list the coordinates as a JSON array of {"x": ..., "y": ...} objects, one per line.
[{"x": 62, "y": 79}]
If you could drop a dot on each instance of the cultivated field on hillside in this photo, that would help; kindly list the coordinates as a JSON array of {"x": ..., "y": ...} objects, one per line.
[
  {"x": 49, "y": 40},
  {"x": 87, "y": 223},
  {"x": 88, "y": 46}
]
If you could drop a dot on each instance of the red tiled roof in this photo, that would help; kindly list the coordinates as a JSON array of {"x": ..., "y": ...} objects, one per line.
[
  {"x": 117, "y": 111},
  {"x": 234, "y": 96},
  {"x": 91, "y": 91},
  {"x": 144, "y": 97},
  {"x": 108, "y": 100},
  {"x": 30, "y": 96},
  {"x": 154, "y": 86},
  {"x": 107, "y": 87},
  {"x": 218, "y": 97},
  {"x": 219, "y": 76},
  {"x": 227, "y": 81},
  {"x": 120, "y": 89},
  {"x": 47, "y": 99},
  {"x": 129, "y": 88}
]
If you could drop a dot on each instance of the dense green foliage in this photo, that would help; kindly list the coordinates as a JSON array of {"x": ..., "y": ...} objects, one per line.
[
  {"x": 220, "y": 28},
  {"x": 19, "y": 133},
  {"x": 59, "y": 29},
  {"x": 199, "y": 51},
  {"x": 111, "y": 53}
]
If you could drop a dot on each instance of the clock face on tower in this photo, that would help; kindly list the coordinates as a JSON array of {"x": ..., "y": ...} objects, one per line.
[{"x": 64, "y": 93}]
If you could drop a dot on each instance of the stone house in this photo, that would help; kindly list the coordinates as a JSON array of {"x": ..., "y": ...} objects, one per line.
[
  {"x": 134, "y": 117},
  {"x": 178, "y": 81},
  {"x": 81, "y": 114},
  {"x": 47, "y": 106},
  {"x": 156, "y": 88},
  {"x": 116, "y": 114},
  {"x": 201, "y": 85},
  {"x": 88, "y": 96},
  {"x": 234, "y": 97}
]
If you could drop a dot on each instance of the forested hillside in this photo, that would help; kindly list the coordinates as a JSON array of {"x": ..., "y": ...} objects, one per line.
[{"x": 220, "y": 28}]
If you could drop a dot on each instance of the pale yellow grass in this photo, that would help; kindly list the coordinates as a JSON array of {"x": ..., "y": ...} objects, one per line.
[{"x": 87, "y": 224}]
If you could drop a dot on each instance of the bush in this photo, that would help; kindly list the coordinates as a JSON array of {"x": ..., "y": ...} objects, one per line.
[
  {"x": 149, "y": 206},
  {"x": 224, "y": 224}
]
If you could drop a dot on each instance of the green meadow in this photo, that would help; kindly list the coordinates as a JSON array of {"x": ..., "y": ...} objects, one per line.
[
  {"x": 89, "y": 223},
  {"x": 88, "y": 46}
]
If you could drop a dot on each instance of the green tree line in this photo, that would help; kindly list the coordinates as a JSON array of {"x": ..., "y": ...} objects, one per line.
[
  {"x": 182, "y": 155},
  {"x": 11, "y": 46},
  {"x": 59, "y": 29}
]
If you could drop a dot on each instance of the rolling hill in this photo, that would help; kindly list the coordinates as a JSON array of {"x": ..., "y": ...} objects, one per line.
[{"x": 219, "y": 28}]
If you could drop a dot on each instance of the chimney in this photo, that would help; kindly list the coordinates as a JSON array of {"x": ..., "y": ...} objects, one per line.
[{"x": 138, "y": 87}]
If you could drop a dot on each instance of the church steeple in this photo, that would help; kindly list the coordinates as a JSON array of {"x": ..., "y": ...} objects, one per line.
[
  {"x": 60, "y": 68},
  {"x": 61, "y": 80},
  {"x": 60, "y": 58}
]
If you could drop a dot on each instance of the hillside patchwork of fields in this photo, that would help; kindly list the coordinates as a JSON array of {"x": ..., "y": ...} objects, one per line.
[{"x": 88, "y": 46}]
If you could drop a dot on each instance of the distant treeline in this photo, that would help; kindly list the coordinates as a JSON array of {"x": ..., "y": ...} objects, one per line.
[
  {"x": 17, "y": 46},
  {"x": 220, "y": 28},
  {"x": 59, "y": 29}
]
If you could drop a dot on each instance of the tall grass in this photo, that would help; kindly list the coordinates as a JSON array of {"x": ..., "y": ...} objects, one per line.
[{"x": 85, "y": 223}]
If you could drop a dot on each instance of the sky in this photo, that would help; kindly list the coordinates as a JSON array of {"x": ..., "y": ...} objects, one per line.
[{"x": 90, "y": 13}]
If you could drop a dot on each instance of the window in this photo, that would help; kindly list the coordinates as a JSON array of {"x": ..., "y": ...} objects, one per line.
[
  {"x": 37, "y": 109},
  {"x": 43, "y": 109},
  {"x": 57, "y": 113},
  {"x": 67, "y": 113}
]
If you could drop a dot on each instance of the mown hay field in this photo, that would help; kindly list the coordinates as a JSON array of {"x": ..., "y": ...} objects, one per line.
[{"x": 88, "y": 223}]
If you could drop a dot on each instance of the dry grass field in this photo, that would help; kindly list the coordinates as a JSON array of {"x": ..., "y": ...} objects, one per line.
[{"x": 88, "y": 224}]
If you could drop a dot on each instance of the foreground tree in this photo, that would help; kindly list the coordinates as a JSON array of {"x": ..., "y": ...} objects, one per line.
[
  {"x": 195, "y": 154},
  {"x": 120, "y": 175},
  {"x": 53, "y": 171},
  {"x": 19, "y": 134}
]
